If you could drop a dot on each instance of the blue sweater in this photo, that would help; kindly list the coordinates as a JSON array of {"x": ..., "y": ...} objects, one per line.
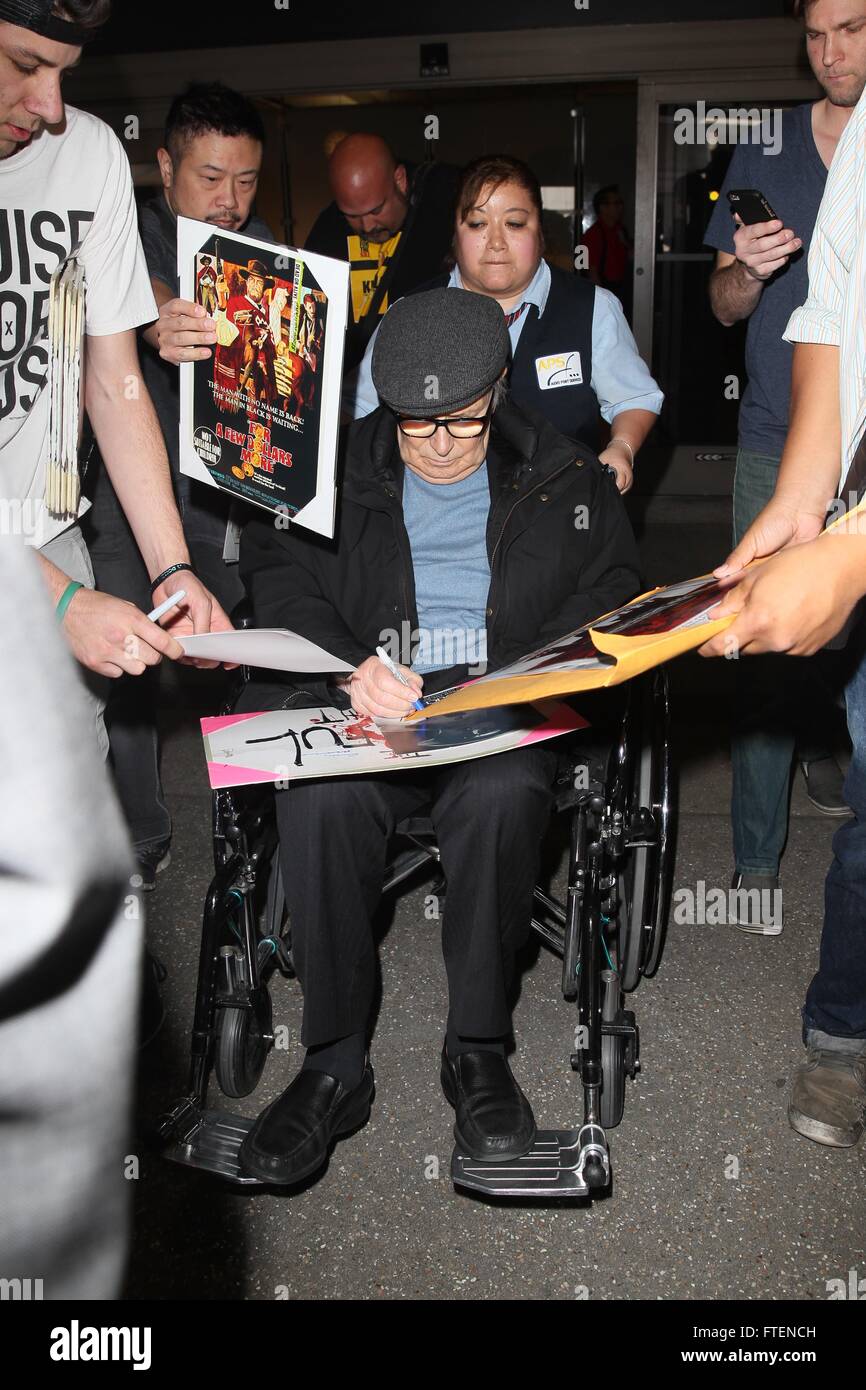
[{"x": 447, "y": 525}]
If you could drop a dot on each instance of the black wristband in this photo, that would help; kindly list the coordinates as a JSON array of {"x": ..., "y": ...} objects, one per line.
[{"x": 172, "y": 569}]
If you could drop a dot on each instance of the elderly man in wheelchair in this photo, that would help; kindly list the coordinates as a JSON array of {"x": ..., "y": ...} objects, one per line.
[{"x": 459, "y": 513}]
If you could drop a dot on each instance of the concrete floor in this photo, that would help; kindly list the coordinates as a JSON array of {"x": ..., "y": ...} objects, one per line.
[{"x": 713, "y": 1195}]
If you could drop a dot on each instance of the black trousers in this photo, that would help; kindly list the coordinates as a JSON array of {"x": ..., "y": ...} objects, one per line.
[{"x": 489, "y": 815}]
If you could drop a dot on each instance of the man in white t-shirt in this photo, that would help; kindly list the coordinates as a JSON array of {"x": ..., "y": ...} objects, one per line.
[
  {"x": 70, "y": 949},
  {"x": 65, "y": 186}
]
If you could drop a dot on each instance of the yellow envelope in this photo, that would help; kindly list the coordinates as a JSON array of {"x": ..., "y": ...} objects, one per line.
[{"x": 633, "y": 656}]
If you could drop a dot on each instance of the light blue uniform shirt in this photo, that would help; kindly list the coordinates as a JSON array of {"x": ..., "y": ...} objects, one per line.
[
  {"x": 447, "y": 526},
  {"x": 620, "y": 378}
]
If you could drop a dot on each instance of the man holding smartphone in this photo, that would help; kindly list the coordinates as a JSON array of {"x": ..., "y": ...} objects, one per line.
[{"x": 761, "y": 275}]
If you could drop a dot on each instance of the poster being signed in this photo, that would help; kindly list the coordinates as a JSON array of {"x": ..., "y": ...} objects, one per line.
[
  {"x": 259, "y": 417},
  {"x": 283, "y": 745}
]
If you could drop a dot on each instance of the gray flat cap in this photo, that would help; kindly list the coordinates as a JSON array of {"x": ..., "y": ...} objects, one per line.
[{"x": 439, "y": 351}]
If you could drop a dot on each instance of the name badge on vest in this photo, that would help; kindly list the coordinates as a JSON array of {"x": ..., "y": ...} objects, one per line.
[{"x": 559, "y": 369}]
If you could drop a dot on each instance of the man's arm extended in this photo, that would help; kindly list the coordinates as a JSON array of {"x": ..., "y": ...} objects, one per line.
[
  {"x": 734, "y": 291},
  {"x": 127, "y": 431},
  {"x": 737, "y": 282},
  {"x": 809, "y": 471},
  {"x": 107, "y": 634},
  {"x": 798, "y": 600}
]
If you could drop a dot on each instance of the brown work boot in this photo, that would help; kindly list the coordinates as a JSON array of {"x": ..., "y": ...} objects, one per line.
[{"x": 828, "y": 1099}]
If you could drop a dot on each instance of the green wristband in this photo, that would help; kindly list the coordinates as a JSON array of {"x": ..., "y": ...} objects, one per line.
[{"x": 66, "y": 598}]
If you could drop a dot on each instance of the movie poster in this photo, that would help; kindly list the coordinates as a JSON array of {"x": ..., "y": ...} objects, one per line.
[
  {"x": 259, "y": 418},
  {"x": 287, "y": 745}
]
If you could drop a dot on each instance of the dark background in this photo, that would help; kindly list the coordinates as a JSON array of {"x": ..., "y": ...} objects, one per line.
[{"x": 163, "y": 24}]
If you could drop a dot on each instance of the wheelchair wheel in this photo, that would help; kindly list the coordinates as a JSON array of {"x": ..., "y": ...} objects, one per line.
[
  {"x": 614, "y": 1051},
  {"x": 664, "y": 815},
  {"x": 242, "y": 1042},
  {"x": 636, "y": 879},
  {"x": 612, "y": 1099},
  {"x": 645, "y": 882}
]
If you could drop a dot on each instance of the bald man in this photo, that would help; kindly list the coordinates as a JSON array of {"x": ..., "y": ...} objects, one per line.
[{"x": 392, "y": 221}]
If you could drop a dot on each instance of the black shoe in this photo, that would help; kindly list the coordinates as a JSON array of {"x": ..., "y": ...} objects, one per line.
[
  {"x": 824, "y": 779},
  {"x": 291, "y": 1138},
  {"x": 151, "y": 861},
  {"x": 494, "y": 1118}
]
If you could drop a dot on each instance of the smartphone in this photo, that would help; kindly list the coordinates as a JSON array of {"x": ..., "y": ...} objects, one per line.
[{"x": 751, "y": 206}]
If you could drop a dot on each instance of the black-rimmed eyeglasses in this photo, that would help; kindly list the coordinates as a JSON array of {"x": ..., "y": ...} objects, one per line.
[{"x": 458, "y": 426}]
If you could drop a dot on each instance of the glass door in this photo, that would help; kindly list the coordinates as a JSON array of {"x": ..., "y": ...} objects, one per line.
[{"x": 686, "y": 139}]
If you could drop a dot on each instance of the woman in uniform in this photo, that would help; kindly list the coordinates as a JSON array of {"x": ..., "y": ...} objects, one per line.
[{"x": 573, "y": 356}]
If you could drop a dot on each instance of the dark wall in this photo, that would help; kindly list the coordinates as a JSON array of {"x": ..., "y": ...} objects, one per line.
[
  {"x": 162, "y": 25},
  {"x": 535, "y": 125}
]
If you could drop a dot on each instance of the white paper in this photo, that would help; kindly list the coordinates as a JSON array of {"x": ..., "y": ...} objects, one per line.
[{"x": 275, "y": 648}]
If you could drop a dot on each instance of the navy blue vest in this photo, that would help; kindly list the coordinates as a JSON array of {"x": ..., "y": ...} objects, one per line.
[{"x": 552, "y": 367}]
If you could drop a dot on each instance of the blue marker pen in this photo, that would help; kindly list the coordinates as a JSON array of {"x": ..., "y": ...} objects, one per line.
[{"x": 386, "y": 660}]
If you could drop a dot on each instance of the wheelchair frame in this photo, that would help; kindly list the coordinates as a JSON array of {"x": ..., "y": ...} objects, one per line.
[{"x": 609, "y": 933}]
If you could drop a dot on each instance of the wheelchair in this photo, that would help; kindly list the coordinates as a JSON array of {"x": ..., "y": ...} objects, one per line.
[{"x": 608, "y": 933}]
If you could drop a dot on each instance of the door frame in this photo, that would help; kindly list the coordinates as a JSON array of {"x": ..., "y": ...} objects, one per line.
[
  {"x": 651, "y": 96},
  {"x": 705, "y": 468}
]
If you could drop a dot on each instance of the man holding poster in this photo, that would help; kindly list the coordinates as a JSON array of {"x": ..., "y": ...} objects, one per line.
[{"x": 209, "y": 165}]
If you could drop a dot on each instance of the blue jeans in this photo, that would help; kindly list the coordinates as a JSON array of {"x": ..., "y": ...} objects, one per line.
[
  {"x": 780, "y": 701},
  {"x": 836, "y": 1001}
]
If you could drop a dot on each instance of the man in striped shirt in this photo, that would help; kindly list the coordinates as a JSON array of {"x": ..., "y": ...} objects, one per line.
[
  {"x": 803, "y": 596},
  {"x": 761, "y": 276}
]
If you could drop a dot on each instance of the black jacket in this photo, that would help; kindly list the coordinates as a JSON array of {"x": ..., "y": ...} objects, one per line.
[{"x": 560, "y": 546}]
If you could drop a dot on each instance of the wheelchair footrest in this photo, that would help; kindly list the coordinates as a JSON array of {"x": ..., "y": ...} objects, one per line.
[
  {"x": 212, "y": 1143},
  {"x": 561, "y": 1163}
]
